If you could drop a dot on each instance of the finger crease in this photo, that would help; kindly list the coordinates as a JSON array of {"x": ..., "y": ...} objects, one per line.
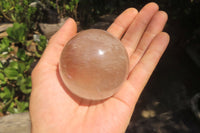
[{"x": 150, "y": 33}]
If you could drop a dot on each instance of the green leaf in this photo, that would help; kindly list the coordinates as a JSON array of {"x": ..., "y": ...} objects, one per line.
[
  {"x": 7, "y": 93},
  {"x": 42, "y": 43},
  {"x": 11, "y": 73},
  {"x": 2, "y": 78},
  {"x": 28, "y": 64},
  {"x": 1, "y": 65},
  {"x": 21, "y": 54},
  {"x": 17, "y": 33},
  {"x": 13, "y": 65},
  {"x": 24, "y": 84},
  {"x": 29, "y": 82},
  {"x": 67, "y": 7},
  {"x": 28, "y": 43},
  {"x": 12, "y": 108},
  {"x": 76, "y": 1},
  {"x": 37, "y": 54},
  {"x": 31, "y": 60},
  {"x": 5, "y": 40},
  {"x": 13, "y": 17},
  {"x": 20, "y": 79},
  {"x": 22, "y": 67},
  {"x": 25, "y": 89},
  {"x": 5, "y": 45},
  {"x": 21, "y": 106}
]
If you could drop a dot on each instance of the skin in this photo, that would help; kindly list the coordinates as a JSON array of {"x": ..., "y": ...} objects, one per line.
[{"x": 53, "y": 109}]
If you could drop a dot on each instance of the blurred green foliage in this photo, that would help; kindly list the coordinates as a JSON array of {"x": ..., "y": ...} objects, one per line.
[
  {"x": 18, "y": 11},
  {"x": 17, "y": 33},
  {"x": 15, "y": 69},
  {"x": 62, "y": 7}
]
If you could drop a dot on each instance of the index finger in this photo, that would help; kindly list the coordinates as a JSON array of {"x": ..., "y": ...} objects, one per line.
[{"x": 122, "y": 22}]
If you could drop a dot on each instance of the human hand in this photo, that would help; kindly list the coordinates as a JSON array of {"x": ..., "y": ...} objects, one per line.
[{"x": 54, "y": 109}]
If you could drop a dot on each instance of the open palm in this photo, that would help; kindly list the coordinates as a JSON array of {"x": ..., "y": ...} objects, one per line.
[{"x": 54, "y": 109}]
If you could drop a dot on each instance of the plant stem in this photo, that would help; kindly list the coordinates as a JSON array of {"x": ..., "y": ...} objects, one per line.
[
  {"x": 9, "y": 19},
  {"x": 57, "y": 7}
]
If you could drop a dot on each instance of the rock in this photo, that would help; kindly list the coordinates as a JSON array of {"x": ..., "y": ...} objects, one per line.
[
  {"x": 15, "y": 123},
  {"x": 5, "y": 26},
  {"x": 3, "y": 34},
  {"x": 50, "y": 29},
  {"x": 104, "y": 22},
  {"x": 36, "y": 38},
  {"x": 195, "y": 105},
  {"x": 107, "y": 18},
  {"x": 100, "y": 25}
]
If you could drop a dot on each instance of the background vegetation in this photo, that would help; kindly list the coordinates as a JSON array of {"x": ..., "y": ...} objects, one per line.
[{"x": 18, "y": 60}]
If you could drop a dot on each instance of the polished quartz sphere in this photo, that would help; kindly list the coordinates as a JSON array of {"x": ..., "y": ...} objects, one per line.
[{"x": 94, "y": 64}]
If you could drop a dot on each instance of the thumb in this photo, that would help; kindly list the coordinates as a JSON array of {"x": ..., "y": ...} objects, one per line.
[{"x": 56, "y": 44}]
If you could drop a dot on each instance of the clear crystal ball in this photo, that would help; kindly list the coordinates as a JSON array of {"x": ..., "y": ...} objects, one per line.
[{"x": 94, "y": 64}]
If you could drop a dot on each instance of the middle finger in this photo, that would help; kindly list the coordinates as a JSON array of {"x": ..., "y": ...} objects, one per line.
[{"x": 137, "y": 28}]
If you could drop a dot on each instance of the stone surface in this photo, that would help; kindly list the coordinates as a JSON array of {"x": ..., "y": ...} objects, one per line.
[
  {"x": 104, "y": 22},
  {"x": 5, "y": 26},
  {"x": 94, "y": 64},
  {"x": 49, "y": 29},
  {"x": 15, "y": 123},
  {"x": 3, "y": 34}
]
